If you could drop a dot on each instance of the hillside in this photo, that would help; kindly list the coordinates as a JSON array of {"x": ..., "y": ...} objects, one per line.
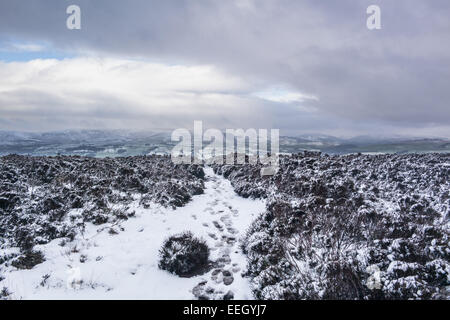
[
  {"x": 349, "y": 227},
  {"x": 323, "y": 227}
]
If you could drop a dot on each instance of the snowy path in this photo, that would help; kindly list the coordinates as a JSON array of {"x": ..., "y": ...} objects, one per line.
[{"x": 107, "y": 265}]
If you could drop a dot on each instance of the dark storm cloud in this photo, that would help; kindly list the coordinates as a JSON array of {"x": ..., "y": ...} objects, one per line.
[{"x": 394, "y": 77}]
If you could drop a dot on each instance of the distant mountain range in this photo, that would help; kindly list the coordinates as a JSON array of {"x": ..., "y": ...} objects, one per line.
[
  {"x": 113, "y": 143},
  {"x": 363, "y": 144}
]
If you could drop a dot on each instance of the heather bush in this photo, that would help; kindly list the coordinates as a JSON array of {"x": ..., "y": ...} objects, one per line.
[{"x": 184, "y": 255}]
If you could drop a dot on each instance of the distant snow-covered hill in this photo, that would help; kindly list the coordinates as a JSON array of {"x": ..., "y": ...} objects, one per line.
[{"x": 115, "y": 143}]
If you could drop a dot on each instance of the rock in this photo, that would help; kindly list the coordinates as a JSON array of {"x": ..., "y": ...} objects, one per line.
[
  {"x": 228, "y": 280},
  {"x": 226, "y": 273},
  {"x": 236, "y": 269},
  {"x": 229, "y": 295},
  {"x": 216, "y": 272},
  {"x": 269, "y": 171},
  {"x": 198, "y": 289}
]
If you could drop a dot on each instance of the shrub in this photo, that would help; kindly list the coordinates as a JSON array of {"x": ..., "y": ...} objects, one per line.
[
  {"x": 184, "y": 255},
  {"x": 4, "y": 293},
  {"x": 348, "y": 227},
  {"x": 37, "y": 194},
  {"x": 28, "y": 260}
]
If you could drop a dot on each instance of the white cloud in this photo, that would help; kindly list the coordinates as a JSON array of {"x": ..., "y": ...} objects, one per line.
[
  {"x": 395, "y": 78},
  {"x": 110, "y": 92},
  {"x": 107, "y": 93},
  {"x": 282, "y": 95}
]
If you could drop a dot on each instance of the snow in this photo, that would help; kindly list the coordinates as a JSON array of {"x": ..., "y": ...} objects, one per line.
[
  {"x": 101, "y": 264},
  {"x": 326, "y": 217},
  {"x": 330, "y": 218}
]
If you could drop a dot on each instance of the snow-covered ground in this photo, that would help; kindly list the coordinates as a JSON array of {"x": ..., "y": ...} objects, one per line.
[{"x": 121, "y": 261}]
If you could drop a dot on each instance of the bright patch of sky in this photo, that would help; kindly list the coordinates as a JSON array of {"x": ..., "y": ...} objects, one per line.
[
  {"x": 15, "y": 50},
  {"x": 284, "y": 95}
]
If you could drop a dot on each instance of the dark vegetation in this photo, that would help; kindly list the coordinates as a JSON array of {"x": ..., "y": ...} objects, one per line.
[
  {"x": 28, "y": 259},
  {"x": 184, "y": 255},
  {"x": 44, "y": 198},
  {"x": 4, "y": 293},
  {"x": 349, "y": 227},
  {"x": 335, "y": 227}
]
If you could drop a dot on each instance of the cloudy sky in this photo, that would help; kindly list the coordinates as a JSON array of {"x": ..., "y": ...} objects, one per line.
[{"x": 305, "y": 66}]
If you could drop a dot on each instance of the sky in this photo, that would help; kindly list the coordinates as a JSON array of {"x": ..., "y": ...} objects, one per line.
[{"x": 301, "y": 66}]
